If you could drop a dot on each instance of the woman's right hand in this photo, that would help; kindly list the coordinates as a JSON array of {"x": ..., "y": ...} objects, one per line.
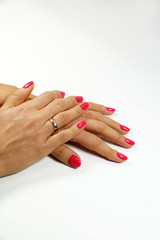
[{"x": 26, "y": 133}]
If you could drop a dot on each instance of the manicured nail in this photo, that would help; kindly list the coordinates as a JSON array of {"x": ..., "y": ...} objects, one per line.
[
  {"x": 63, "y": 94},
  {"x": 79, "y": 99},
  {"x": 74, "y": 161},
  {"x": 27, "y": 85},
  {"x": 81, "y": 124},
  {"x": 84, "y": 106},
  {"x": 129, "y": 141},
  {"x": 121, "y": 156},
  {"x": 124, "y": 128},
  {"x": 110, "y": 109}
]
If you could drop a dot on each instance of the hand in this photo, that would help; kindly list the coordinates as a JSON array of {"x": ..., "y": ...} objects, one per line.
[
  {"x": 27, "y": 135},
  {"x": 96, "y": 124}
]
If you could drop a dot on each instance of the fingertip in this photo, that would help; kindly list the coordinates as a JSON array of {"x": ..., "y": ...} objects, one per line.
[
  {"x": 122, "y": 156},
  {"x": 81, "y": 124},
  {"x": 111, "y": 110},
  {"x": 129, "y": 141},
  {"x": 124, "y": 128},
  {"x": 74, "y": 161},
  {"x": 84, "y": 106},
  {"x": 79, "y": 99},
  {"x": 29, "y": 84},
  {"x": 62, "y": 94}
]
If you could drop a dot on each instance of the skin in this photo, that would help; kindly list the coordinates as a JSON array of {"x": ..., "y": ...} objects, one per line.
[
  {"x": 97, "y": 124},
  {"x": 27, "y": 135}
]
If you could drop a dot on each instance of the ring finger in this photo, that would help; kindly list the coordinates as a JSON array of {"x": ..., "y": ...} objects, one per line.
[{"x": 110, "y": 122}]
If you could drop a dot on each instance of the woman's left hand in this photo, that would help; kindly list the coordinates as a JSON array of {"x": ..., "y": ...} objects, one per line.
[{"x": 98, "y": 124}]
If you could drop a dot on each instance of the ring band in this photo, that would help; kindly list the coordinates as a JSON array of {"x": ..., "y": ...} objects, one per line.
[{"x": 54, "y": 124}]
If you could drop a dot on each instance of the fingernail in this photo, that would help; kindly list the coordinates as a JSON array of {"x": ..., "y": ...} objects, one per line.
[
  {"x": 84, "y": 106},
  {"x": 110, "y": 109},
  {"x": 74, "y": 161},
  {"x": 27, "y": 85},
  {"x": 79, "y": 99},
  {"x": 63, "y": 94},
  {"x": 124, "y": 128},
  {"x": 129, "y": 141},
  {"x": 122, "y": 156},
  {"x": 81, "y": 124}
]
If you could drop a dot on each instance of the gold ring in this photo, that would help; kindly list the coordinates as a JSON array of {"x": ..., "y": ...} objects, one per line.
[{"x": 54, "y": 124}]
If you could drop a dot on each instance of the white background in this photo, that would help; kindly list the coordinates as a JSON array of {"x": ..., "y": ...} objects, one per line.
[{"x": 108, "y": 52}]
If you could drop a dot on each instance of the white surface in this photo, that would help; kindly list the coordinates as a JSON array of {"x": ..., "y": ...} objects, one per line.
[{"x": 109, "y": 52}]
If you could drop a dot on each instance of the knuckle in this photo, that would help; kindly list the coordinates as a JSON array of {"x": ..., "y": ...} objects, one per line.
[
  {"x": 73, "y": 131},
  {"x": 63, "y": 136},
  {"x": 71, "y": 101},
  {"x": 120, "y": 138},
  {"x": 62, "y": 119},
  {"x": 49, "y": 95},
  {"x": 101, "y": 126},
  {"x": 59, "y": 153},
  {"x": 98, "y": 115},
  {"x": 56, "y": 94},
  {"x": 60, "y": 103},
  {"x": 110, "y": 153},
  {"x": 96, "y": 143}
]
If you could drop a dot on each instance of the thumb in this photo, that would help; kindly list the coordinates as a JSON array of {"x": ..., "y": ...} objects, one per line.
[{"x": 19, "y": 96}]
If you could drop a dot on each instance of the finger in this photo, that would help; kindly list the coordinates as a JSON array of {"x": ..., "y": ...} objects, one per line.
[
  {"x": 100, "y": 108},
  {"x": 18, "y": 96},
  {"x": 63, "y": 118},
  {"x": 96, "y": 144},
  {"x": 63, "y": 136},
  {"x": 59, "y": 105},
  {"x": 110, "y": 122},
  {"x": 45, "y": 98},
  {"x": 67, "y": 156},
  {"x": 104, "y": 130},
  {"x": 54, "y": 92}
]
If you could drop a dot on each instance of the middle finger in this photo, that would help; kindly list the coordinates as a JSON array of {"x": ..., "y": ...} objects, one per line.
[
  {"x": 104, "y": 130},
  {"x": 65, "y": 117},
  {"x": 59, "y": 105}
]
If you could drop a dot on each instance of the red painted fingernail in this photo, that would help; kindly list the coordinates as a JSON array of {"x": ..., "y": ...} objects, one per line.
[
  {"x": 63, "y": 94},
  {"x": 122, "y": 156},
  {"x": 74, "y": 161},
  {"x": 27, "y": 85},
  {"x": 129, "y": 141},
  {"x": 79, "y": 99},
  {"x": 84, "y": 106},
  {"x": 110, "y": 109},
  {"x": 81, "y": 124},
  {"x": 124, "y": 128}
]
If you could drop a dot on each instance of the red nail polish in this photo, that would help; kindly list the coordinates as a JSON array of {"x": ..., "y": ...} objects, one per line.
[
  {"x": 124, "y": 128},
  {"x": 110, "y": 109},
  {"x": 63, "y": 94},
  {"x": 84, "y": 106},
  {"x": 79, "y": 99},
  {"x": 122, "y": 156},
  {"x": 129, "y": 141},
  {"x": 81, "y": 124},
  {"x": 27, "y": 85},
  {"x": 74, "y": 161}
]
